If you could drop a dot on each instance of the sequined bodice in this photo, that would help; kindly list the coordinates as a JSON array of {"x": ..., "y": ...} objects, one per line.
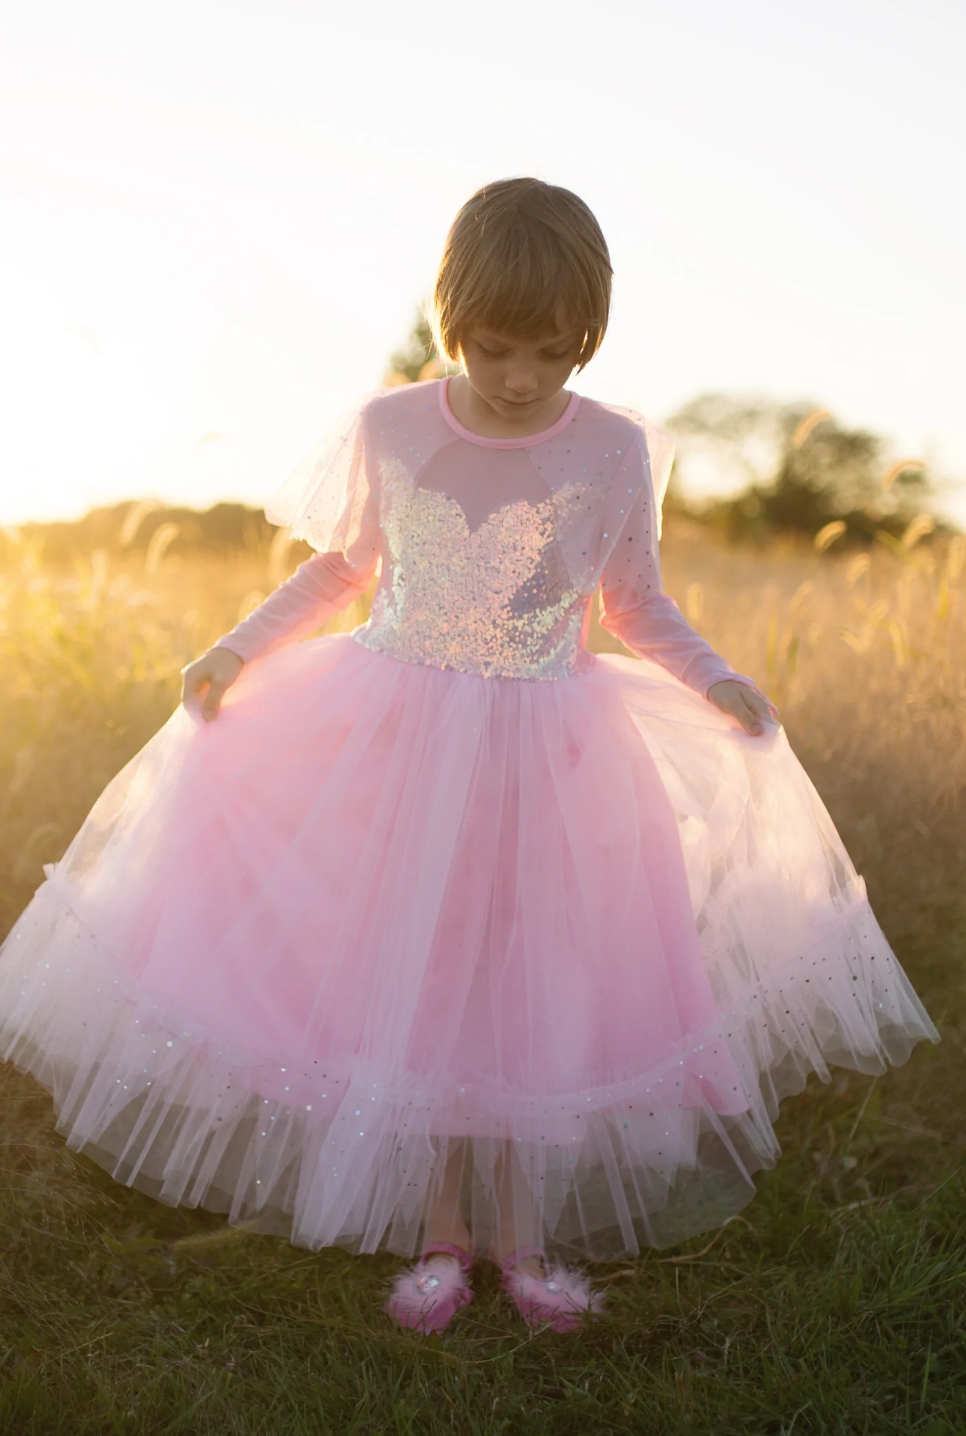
[
  {"x": 490, "y": 549},
  {"x": 495, "y": 600}
]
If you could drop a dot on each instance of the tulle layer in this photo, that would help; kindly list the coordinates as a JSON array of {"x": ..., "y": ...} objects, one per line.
[{"x": 384, "y": 929}]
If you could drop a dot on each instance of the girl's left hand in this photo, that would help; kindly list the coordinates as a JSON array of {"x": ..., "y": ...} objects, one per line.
[{"x": 752, "y": 710}]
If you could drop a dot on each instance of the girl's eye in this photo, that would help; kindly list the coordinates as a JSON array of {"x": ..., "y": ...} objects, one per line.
[{"x": 501, "y": 353}]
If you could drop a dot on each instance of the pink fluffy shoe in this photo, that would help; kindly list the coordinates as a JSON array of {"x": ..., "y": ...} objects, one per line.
[
  {"x": 428, "y": 1295},
  {"x": 560, "y": 1298}
]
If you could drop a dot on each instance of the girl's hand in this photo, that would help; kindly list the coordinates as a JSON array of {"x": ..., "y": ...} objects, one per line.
[
  {"x": 217, "y": 669},
  {"x": 752, "y": 711}
]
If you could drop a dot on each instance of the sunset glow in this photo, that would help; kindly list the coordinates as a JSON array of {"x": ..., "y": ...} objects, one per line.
[{"x": 220, "y": 218}]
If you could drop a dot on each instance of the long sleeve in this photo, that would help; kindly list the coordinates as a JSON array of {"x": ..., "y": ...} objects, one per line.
[
  {"x": 634, "y": 607},
  {"x": 319, "y": 587}
]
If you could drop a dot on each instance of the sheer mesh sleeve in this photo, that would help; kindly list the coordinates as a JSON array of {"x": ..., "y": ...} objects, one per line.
[
  {"x": 326, "y": 499},
  {"x": 634, "y": 607},
  {"x": 329, "y": 500}
]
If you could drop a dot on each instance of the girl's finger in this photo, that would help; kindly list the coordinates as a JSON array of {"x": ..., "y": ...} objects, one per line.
[
  {"x": 216, "y": 692},
  {"x": 762, "y": 707},
  {"x": 751, "y": 719}
]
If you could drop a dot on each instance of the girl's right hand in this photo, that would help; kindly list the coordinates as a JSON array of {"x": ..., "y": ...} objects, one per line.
[
  {"x": 217, "y": 670},
  {"x": 752, "y": 709}
]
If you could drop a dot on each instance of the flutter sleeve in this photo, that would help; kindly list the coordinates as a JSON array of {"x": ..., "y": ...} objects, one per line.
[
  {"x": 329, "y": 500},
  {"x": 634, "y": 607}
]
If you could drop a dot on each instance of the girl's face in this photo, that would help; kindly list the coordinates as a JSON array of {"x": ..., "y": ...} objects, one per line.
[{"x": 519, "y": 378}]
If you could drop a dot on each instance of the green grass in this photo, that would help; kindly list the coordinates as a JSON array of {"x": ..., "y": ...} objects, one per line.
[
  {"x": 833, "y": 1304},
  {"x": 821, "y": 1309}
]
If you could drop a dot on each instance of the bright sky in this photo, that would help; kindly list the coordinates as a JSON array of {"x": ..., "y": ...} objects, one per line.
[{"x": 220, "y": 215}]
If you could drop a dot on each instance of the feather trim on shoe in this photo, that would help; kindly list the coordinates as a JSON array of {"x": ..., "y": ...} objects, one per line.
[
  {"x": 428, "y": 1295},
  {"x": 561, "y": 1298}
]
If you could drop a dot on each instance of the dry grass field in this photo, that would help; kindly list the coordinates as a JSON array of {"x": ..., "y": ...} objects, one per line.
[{"x": 833, "y": 1305}]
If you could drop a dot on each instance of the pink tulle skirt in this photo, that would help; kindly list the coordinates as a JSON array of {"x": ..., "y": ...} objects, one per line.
[{"x": 384, "y": 931}]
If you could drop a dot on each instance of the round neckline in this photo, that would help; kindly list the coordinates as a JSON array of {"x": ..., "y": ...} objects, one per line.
[{"x": 523, "y": 442}]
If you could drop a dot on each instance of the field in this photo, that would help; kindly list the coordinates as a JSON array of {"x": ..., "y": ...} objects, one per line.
[{"x": 833, "y": 1304}]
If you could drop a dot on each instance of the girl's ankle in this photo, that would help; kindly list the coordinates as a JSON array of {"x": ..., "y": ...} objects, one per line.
[
  {"x": 522, "y": 1259},
  {"x": 448, "y": 1251}
]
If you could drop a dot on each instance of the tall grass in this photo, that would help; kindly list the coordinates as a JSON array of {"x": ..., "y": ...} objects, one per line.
[{"x": 833, "y": 1304}]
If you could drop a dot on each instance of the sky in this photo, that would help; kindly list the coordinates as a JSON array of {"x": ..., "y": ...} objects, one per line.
[{"x": 220, "y": 218}]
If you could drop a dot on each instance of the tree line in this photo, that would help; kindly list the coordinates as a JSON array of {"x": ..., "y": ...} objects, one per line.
[{"x": 792, "y": 469}]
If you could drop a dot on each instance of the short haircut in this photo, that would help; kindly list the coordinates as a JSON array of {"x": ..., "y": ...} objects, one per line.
[{"x": 517, "y": 250}]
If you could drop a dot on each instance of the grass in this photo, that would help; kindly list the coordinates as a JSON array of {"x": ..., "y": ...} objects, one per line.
[{"x": 833, "y": 1304}]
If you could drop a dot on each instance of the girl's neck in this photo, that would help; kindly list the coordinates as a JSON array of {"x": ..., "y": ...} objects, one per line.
[{"x": 474, "y": 413}]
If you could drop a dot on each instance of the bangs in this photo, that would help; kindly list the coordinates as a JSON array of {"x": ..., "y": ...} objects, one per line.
[{"x": 521, "y": 293}]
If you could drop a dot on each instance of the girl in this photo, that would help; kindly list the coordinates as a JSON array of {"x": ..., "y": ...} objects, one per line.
[{"x": 448, "y": 937}]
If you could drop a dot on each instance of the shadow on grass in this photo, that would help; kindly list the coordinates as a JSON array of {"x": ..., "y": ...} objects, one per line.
[{"x": 833, "y": 1304}]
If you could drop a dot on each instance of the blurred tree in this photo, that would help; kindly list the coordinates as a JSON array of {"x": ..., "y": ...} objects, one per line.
[
  {"x": 796, "y": 469},
  {"x": 418, "y": 358}
]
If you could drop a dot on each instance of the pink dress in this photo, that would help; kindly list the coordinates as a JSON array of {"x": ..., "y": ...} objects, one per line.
[{"x": 449, "y": 897}]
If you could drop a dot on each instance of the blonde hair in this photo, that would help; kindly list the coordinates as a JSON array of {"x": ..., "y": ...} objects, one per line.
[{"x": 517, "y": 250}]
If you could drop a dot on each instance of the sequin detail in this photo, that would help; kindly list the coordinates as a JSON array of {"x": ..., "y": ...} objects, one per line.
[{"x": 497, "y": 601}]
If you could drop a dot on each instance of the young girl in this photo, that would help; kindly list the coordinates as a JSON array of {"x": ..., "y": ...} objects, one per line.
[{"x": 448, "y": 937}]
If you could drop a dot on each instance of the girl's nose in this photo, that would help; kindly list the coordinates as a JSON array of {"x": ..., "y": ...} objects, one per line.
[{"x": 521, "y": 384}]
